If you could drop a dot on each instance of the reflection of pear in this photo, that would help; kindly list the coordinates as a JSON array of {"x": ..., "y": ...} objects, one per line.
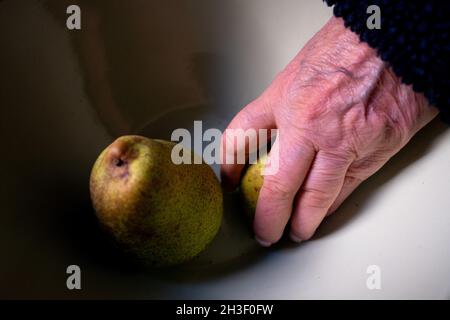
[
  {"x": 163, "y": 213},
  {"x": 251, "y": 183}
]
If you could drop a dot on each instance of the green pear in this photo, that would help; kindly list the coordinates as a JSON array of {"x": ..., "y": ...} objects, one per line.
[
  {"x": 251, "y": 184},
  {"x": 163, "y": 213}
]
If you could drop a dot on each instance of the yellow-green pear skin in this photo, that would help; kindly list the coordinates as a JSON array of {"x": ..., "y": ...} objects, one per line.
[
  {"x": 251, "y": 184},
  {"x": 163, "y": 213}
]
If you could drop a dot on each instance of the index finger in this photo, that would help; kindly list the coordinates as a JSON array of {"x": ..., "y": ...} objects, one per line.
[{"x": 275, "y": 202}]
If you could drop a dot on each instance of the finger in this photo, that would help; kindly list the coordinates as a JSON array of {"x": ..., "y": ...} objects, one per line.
[
  {"x": 257, "y": 115},
  {"x": 274, "y": 206},
  {"x": 350, "y": 184},
  {"x": 317, "y": 194}
]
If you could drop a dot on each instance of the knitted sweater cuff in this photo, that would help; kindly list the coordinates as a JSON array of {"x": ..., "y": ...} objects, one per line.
[{"x": 413, "y": 40}]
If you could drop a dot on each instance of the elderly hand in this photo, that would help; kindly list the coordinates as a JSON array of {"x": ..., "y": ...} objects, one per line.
[{"x": 341, "y": 114}]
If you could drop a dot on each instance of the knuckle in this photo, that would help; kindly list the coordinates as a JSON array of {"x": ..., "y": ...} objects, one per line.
[
  {"x": 276, "y": 190},
  {"x": 353, "y": 179},
  {"x": 316, "y": 199}
]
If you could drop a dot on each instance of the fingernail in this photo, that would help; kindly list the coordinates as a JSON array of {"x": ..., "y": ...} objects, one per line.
[
  {"x": 294, "y": 237},
  {"x": 262, "y": 242}
]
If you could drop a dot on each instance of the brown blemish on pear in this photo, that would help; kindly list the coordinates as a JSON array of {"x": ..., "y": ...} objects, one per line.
[{"x": 119, "y": 156}]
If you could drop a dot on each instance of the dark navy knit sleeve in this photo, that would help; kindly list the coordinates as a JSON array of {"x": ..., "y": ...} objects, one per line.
[{"x": 413, "y": 39}]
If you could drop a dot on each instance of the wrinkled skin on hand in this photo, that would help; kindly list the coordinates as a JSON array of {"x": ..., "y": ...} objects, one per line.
[{"x": 342, "y": 114}]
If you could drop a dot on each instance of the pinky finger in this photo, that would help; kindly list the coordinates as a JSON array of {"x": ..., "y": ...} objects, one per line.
[{"x": 350, "y": 184}]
